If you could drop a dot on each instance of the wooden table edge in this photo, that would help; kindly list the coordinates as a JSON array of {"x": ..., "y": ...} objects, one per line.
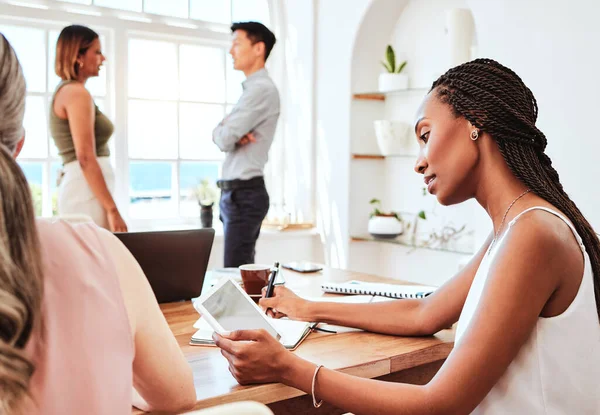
[{"x": 276, "y": 392}]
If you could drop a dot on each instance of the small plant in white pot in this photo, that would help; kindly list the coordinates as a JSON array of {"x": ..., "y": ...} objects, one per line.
[
  {"x": 393, "y": 79},
  {"x": 384, "y": 225}
]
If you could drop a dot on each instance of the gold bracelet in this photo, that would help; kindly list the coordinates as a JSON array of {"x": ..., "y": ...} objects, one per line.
[{"x": 315, "y": 403}]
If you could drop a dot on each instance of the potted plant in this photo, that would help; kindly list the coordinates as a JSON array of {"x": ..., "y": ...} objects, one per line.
[
  {"x": 206, "y": 194},
  {"x": 384, "y": 225},
  {"x": 393, "y": 79}
]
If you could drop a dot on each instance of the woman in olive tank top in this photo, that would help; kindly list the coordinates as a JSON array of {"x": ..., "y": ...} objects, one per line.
[{"x": 81, "y": 132}]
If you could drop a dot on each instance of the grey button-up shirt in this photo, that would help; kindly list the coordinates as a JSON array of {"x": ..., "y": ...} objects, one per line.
[{"x": 257, "y": 112}]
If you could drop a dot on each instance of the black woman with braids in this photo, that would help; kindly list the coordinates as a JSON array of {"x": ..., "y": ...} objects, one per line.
[{"x": 527, "y": 305}]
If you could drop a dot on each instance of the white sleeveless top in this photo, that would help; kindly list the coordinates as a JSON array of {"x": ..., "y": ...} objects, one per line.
[{"x": 557, "y": 371}]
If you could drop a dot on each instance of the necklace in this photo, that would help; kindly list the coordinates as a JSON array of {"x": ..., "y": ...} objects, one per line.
[{"x": 504, "y": 217}]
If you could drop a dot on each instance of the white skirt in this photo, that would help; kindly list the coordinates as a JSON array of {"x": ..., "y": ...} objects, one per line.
[{"x": 75, "y": 197}]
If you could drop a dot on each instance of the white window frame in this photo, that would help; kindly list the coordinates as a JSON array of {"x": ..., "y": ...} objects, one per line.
[
  {"x": 117, "y": 25},
  {"x": 174, "y": 162}
]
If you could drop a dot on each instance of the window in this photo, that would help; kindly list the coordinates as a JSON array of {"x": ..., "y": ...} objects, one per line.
[
  {"x": 176, "y": 90},
  {"x": 215, "y": 11},
  {"x": 35, "y": 48},
  {"x": 170, "y": 123}
]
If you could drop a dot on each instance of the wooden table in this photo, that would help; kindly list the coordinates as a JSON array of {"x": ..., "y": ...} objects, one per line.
[{"x": 402, "y": 359}]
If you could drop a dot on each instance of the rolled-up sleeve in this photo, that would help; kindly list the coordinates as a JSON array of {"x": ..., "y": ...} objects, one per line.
[{"x": 253, "y": 108}]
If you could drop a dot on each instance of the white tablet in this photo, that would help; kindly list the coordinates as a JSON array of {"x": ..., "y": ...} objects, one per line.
[{"x": 227, "y": 307}]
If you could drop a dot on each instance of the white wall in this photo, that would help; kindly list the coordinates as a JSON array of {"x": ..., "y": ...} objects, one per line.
[
  {"x": 553, "y": 46},
  {"x": 420, "y": 38},
  {"x": 296, "y": 40},
  {"x": 336, "y": 25},
  {"x": 555, "y": 51},
  {"x": 416, "y": 29}
]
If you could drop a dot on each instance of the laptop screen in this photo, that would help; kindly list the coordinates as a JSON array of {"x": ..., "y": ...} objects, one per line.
[{"x": 174, "y": 262}]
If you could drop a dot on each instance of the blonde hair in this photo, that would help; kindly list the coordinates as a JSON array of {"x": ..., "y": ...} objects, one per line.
[
  {"x": 21, "y": 280},
  {"x": 73, "y": 41}
]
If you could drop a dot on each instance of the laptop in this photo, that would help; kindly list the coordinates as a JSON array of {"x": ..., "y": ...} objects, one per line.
[{"x": 174, "y": 262}]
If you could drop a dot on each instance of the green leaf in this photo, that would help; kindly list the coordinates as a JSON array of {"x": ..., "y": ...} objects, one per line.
[
  {"x": 422, "y": 215},
  {"x": 387, "y": 67},
  {"x": 397, "y": 216},
  {"x": 374, "y": 201},
  {"x": 401, "y": 67},
  {"x": 424, "y": 191},
  {"x": 391, "y": 57}
]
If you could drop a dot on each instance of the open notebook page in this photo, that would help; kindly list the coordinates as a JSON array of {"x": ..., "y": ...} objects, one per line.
[{"x": 292, "y": 332}]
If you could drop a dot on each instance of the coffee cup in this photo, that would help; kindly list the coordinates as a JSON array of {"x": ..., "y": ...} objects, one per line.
[{"x": 254, "y": 278}]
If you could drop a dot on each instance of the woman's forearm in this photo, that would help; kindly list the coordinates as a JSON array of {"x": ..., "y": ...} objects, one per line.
[
  {"x": 398, "y": 317},
  {"x": 357, "y": 395},
  {"x": 95, "y": 179}
]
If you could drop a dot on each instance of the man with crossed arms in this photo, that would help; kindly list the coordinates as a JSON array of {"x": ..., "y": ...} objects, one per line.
[{"x": 246, "y": 135}]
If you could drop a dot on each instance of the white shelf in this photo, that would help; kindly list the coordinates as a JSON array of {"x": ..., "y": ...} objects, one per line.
[
  {"x": 396, "y": 241},
  {"x": 380, "y": 96}
]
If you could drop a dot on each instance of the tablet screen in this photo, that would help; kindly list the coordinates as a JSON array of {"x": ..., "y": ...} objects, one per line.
[{"x": 233, "y": 311}]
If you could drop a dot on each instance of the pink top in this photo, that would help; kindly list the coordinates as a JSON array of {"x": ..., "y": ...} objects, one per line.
[{"x": 84, "y": 353}]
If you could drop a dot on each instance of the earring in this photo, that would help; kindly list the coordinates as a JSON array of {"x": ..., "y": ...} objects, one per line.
[{"x": 474, "y": 135}]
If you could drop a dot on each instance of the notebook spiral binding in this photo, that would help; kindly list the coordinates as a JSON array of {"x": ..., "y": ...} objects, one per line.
[{"x": 364, "y": 291}]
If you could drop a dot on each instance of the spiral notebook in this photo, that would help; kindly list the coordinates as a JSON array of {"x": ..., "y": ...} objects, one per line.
[{"x": 380, "y": 289}]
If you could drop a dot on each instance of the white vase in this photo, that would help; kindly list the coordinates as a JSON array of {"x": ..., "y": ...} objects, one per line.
[
  {"x": 389, "y": 82},
  {"x": 387, "y": 227},
  {"x": 394, "y": 138}
]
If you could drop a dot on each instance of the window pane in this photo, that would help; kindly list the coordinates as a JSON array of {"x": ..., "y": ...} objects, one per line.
[
  {"x": 190, "y": 175},
  {"x": 34, "y": 174},
  {"x": 234, "y": 81},
  {"x": 152, "y": 69},
  {"x": 36, "y": 129},
  {"x": 133, "y": 5},
  {"x": 150, "y": 186},
  {"x": 53, "y": 79},
  {"x": 152, "y": 129},
  {"x": 251, "y": 10},
  {"x": 97, "y": 84},
  {"x": 30, "y": 46},
  {"x": 176, "y": 8},
  {"x": 202, "y": 74},
  {"x": 196, "y": 123},
  {"x": 217, "y": 11}
]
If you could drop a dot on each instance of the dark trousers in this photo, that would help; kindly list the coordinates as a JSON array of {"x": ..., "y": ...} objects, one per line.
[{"x": 242, "y": 212}]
